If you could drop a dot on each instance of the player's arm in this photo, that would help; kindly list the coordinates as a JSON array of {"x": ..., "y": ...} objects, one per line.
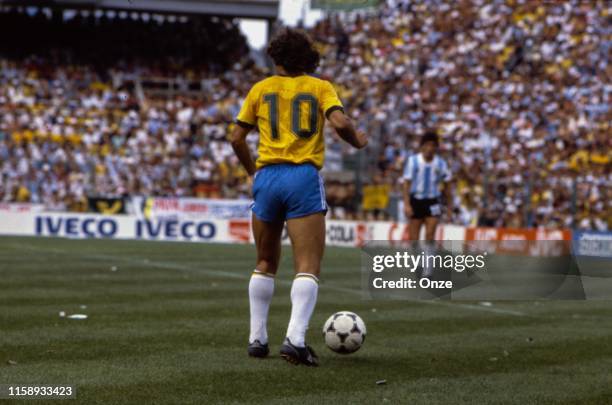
[
  {"x": 406, "y": 192},
  {"x": 407, "y": 186},
  {"x": 448, "y": 199},
  {"x": 345, "y": 129},
  {"x": 244, "y": 123},
  {"x": 334, "y": 112},
  {"x": 446, "y": 191},
  {"x": 238, "y": 140}
]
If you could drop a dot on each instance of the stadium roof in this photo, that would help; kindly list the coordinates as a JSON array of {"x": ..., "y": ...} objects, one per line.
[{"x": 239, "y": 8}]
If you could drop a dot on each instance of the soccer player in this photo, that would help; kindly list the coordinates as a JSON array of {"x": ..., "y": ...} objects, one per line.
[
  {"x": 289, "y": 109},
  {"x": 426, "y": 176}
]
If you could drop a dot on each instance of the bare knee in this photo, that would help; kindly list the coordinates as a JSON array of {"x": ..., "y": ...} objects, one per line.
[
  {"x": 308, "y": 266},
  {"x": 267, "y": 266},
  {"x": 415, "y": 229}
]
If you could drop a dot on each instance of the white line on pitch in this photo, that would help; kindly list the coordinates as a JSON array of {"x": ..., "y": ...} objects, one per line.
[{"x": 222, "y": 273}]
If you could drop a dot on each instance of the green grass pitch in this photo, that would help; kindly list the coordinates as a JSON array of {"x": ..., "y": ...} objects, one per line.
[{"x": 170, "y": 325}]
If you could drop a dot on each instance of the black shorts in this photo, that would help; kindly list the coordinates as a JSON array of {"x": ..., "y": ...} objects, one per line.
[{"x": 426, "y": 207}]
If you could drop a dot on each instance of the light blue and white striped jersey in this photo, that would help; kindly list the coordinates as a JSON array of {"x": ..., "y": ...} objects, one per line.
[{"x": 425, "y": 177}]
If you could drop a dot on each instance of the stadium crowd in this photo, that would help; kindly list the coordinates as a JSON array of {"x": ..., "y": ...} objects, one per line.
[{"x": 518, "y": 91}]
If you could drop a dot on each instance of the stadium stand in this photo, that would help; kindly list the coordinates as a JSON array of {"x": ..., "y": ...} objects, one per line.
[{"x": 520, "y": 96}]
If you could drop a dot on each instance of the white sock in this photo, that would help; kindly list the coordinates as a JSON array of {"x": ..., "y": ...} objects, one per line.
[
  {"x": 303, "y": 299},
  {"x": 261, "y": 289}
]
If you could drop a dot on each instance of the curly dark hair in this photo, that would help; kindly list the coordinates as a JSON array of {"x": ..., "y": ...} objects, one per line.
[
  {"x": 294, "y": 51},
  {"x": 430, "y": 136}
]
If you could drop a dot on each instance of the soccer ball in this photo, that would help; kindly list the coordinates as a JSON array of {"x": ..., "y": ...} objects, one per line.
[{"x": 344, "y": 332}]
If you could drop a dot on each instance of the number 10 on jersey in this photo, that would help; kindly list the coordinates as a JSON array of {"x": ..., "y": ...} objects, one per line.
[{"x": 296, "y": 114}]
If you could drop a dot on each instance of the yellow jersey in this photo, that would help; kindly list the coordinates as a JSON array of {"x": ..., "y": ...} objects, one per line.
[{"x": 290, "y": 114}]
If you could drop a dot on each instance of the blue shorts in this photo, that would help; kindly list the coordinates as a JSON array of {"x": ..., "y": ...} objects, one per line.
[{"x": 285, "y": 191}]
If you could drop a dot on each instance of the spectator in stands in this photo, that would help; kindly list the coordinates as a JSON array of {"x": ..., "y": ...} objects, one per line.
[{"x": 520, "y": 92}]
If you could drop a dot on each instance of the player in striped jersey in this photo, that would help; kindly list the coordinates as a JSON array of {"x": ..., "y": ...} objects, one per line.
[{"x": 426, "y": 176}]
